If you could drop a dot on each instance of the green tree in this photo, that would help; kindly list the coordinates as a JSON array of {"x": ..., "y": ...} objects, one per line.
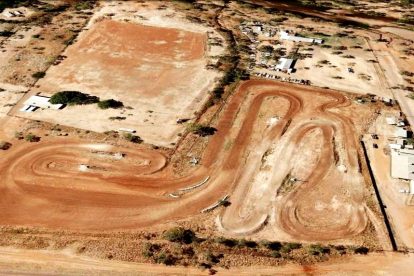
[{"x": 73, "y": 98}]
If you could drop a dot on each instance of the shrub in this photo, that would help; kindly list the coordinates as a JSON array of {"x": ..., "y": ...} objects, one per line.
[
  {"x": 150, "y": 249},
  {"x": 4, "y": 145},
  {"x": 290, "y": 246},
  {"x": 407, "y": 73},
  {"x": 285, "y": 250},
  {"x": 118, "y": 118},
  {"x": 227, "y": 242},
  {"x": 73, "y": 98},
  {"x": 361, "y": 250},
  {"x": 133, "y": 138},
  {"x": 247, "y": 243},
  {"x": 6, "y": 33},
  {"x": 276, "y": 246},
  {"x": 340, "y": 247},
  {"x": 111, "y": 103},
  {"x": 212, "y": 258},
  {"x": 38, "y": 75},
  {"x": 84, "y": 5},
  {"x": 18, "y": 135},
  {"x": 166, "y": 259},
  {"x": 201, "y": 130},
  {"x": 224, "y": 202},
  {"x": 181, "y": 235},
  {"x": 32, "y": 138},
  {"x": 293, "y": 245},
  {"x": 317, "y": 249},
  {"x": 276, "y": 254}
]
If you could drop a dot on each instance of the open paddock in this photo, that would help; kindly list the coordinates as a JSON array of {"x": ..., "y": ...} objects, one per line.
[{"x": 158, "y": 73}]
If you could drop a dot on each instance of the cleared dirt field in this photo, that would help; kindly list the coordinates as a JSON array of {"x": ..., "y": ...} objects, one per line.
[
  {"x": 42, "y": 184},
  {"x": 138, "y": 65}
]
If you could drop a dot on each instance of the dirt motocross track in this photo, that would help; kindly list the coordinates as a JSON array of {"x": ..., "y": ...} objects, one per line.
[{"x": 41, "y": 184}]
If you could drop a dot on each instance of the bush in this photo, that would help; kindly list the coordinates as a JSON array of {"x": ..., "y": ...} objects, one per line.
[
  {"x": 18, "y": 135},
  {"x": 201, "y": 130},
  {"x": 227, "y": 242},
  {"x": 276, "y": 246},
  {"x": 247, "y": 243},
  {"x": 361, "y": 250},
  {"x": 84, "y": 5},
  {"x": 118, "y": 118},
  {"x": 293, "y": 245},
  {"x": 317, "y": 249},
  {"x": 111, "y": 103},
  {"x": 212, "y": 258},
  {"x": 276, "y": 254},
  {"x": 150, "y": 249},
  {"x": 4, "y": 145},
  {"x": 32, "y": 138},
  {"x": 38, "y": 75},
  {"x": 73, "y": 98},
  {"x": 288, "y": 247},
  {"x": 181, "y": 235},
  {"x": 166, "y": 259},
  {"x": 133, "y": 138}
]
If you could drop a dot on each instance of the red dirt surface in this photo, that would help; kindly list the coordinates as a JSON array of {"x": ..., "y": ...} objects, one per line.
[
  {"x": 41, "y": 183},
  {"x": 137, "y": 65}
]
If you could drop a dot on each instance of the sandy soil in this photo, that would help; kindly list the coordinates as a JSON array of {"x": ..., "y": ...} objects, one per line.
[
  {"x": 327, "y": 75},
  {"x": 66, "y": 263},
  {"x": 402, "y": 33},
  {"x": 9, "y": 96}
]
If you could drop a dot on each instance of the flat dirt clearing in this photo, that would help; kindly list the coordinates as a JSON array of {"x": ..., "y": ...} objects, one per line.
[{"x": 138, "y": 65}]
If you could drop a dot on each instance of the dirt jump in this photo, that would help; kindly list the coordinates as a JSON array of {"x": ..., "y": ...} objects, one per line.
[{"x": 72, "y": 185}]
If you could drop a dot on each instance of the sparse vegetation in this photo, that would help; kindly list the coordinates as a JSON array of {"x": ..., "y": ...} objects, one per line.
[
  {"x": 84, "y": 5},
  {"x": 31, "y": 138},
  {"x": 117, "y": 118},
  {"x": 180, "y": 235},
  {"x": 361, "y": 250},
  {"x": 133, "y": 138},
  {"x": 38, "y": 75},
  {"x": 4, "y": 145},
  {"x": 111, "y": 103},
  {"x": 201, "y": 130}
]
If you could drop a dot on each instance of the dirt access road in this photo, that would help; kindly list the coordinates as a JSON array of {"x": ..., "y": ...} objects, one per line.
[
  {"x": 25, "y": 262},
  {"x": 42, "y": 185}
]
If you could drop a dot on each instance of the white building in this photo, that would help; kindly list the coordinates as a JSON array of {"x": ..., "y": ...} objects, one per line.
[
  {"x": 402, "y": 164},
  {"x": 286, "y": 65},
  {"x": 400, "y": 132},
  {"x": 35, "y": 102},
  {"x": 286, "y": 36},
  {"x": 391, "y": 120}
]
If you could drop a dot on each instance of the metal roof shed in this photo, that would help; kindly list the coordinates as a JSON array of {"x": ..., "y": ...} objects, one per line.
[{"x": 286, "y": 64}]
